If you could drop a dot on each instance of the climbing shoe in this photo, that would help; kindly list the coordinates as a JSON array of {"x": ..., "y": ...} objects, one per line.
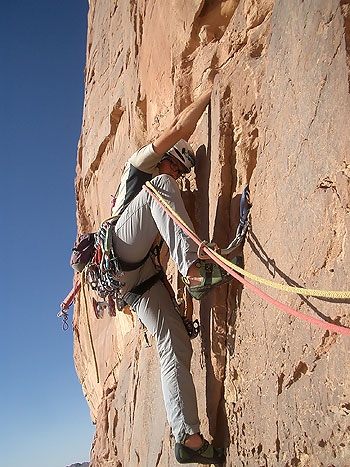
[
  {"x": 206, "y": 454},
  {"x": 212, "y": 276}
]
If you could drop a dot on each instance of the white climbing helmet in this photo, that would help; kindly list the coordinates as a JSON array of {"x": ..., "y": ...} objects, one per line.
[{"x": 183, "y": 152}]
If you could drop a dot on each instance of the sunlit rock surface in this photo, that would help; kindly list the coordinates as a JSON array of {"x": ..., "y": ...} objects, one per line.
[{"x": 272, "y": 389}]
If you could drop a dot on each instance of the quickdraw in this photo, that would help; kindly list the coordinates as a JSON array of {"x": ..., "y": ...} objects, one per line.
[
  {"x": 243, "y": 226},
  {"x": 245, "y": 206},
  {"x": 65, "y": 305},
  {"x": 103, "y": 273}
]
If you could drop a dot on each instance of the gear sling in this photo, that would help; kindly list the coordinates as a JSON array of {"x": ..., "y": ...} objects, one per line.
[{"x": 94, "y": 256}]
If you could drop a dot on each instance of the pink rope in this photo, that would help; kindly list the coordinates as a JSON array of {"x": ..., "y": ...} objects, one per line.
[
  {"x": 316, "y": 322},
  {"x": 70, "y": 297}
]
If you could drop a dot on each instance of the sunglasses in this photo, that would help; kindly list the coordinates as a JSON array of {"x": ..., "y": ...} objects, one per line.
[{"x": 176, "y": 168}]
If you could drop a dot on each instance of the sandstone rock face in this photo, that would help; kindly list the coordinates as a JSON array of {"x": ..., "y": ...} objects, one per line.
[{"x": 271, "y": 388}]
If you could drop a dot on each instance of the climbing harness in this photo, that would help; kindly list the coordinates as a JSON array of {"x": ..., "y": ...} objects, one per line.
[
  {"x": 93, "y": 255},
  {"x": 234, "y": 269},
  {"x": 135, "y": 293}
]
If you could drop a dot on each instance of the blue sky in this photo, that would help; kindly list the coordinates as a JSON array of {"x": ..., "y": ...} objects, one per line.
[{"x": 45, "y": 420}]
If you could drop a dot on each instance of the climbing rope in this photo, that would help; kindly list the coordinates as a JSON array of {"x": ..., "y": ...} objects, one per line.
[
  {"x": 234, "y": 270},
  {"x": 286, "y": 288}
]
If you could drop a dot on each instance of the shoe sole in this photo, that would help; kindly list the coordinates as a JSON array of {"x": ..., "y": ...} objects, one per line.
[{"x": 194, "y": 457}]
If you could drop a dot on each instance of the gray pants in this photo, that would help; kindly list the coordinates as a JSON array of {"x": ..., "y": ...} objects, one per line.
[{"x": 135, "y": 233}]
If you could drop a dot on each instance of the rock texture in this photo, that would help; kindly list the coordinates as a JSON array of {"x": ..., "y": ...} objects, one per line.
[{"x": 273, "y": 389}]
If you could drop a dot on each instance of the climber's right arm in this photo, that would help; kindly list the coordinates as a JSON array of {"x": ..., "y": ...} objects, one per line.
[{"x": 183, "y": 125}]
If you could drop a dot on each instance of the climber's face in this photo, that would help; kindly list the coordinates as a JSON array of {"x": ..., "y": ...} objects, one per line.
[{"x": 172, "y": 167}]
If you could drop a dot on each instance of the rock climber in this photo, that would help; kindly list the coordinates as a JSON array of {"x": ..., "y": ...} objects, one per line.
[{"x": 141, "y": 220}]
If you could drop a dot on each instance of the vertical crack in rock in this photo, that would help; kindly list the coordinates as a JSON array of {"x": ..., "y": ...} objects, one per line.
[
  {"x": 114, "y": 120},
  {"x": 280, "y": 383},
  {"x": 278, "y": 443},
  {"x": 345, "y": 9}
]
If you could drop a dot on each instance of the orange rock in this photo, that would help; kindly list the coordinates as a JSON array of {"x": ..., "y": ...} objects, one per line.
[{"x": 272, "y": 389}]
